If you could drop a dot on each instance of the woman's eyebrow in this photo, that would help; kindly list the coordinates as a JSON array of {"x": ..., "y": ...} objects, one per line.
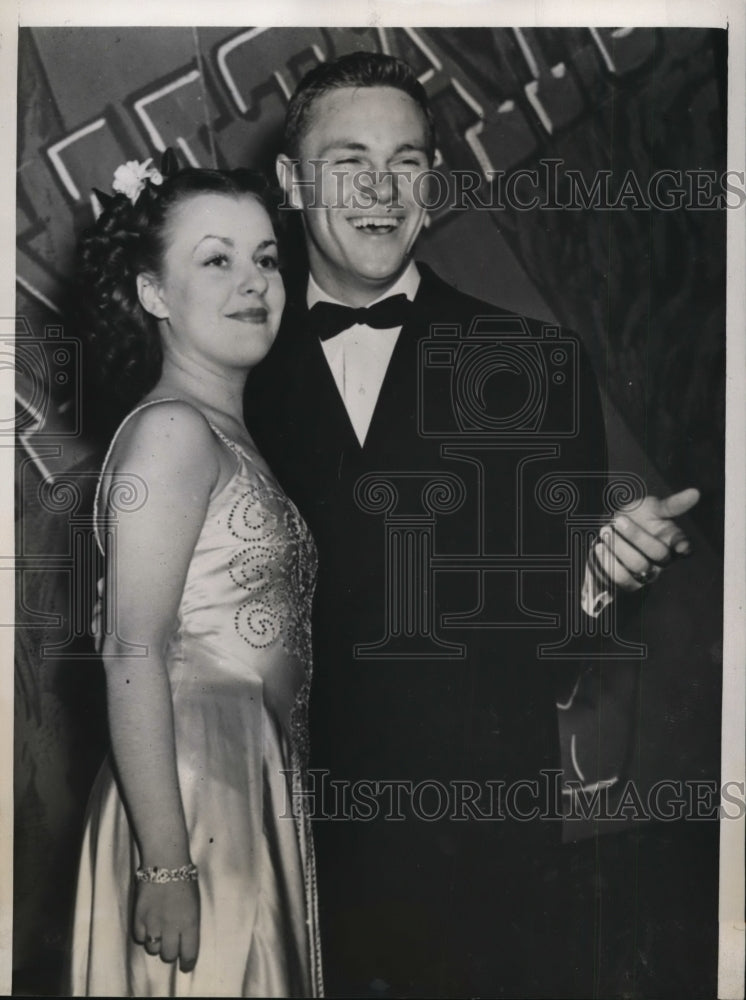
[
  {"x": 228, "y": 242},
  {"x": 212, "y": 236}
]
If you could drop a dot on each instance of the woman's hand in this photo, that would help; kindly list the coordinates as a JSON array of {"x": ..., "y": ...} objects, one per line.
[{"x": 166, "y": 921}]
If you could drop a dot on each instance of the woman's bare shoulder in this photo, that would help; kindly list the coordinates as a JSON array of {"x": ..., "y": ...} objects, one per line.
[{"x": 170, "y": 436}]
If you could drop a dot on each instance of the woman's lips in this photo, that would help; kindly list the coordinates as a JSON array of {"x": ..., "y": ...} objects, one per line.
[{"x": 258, "y": 315}]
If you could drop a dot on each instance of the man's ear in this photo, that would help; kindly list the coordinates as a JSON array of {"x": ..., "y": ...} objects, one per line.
[
  {"x": 148, "y": 292},
  {"x": 287, "y": 176}
]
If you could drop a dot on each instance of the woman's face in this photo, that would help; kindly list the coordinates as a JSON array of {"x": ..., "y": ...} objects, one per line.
[{"x": 220, "y": 288}]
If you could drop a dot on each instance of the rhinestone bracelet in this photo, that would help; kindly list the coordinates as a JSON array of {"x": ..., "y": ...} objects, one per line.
[{"x": 187, "y": 873}]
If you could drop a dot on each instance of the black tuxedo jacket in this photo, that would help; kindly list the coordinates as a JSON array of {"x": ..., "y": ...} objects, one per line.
[{"x": 442, "y": 542}]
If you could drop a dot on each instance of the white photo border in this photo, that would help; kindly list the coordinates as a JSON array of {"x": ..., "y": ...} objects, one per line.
[{"x": 374, "y": 13}]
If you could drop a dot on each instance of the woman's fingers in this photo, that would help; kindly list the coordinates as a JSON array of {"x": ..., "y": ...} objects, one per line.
[
  {"x": 152, "y": 943},
  {"x": 139, "y": 930},
  {"x": 166, "y": 921},
  {"x": 175, "y": 933},
  {"x": 189, "y": 949},
  {"x": 169, "y": 945}
]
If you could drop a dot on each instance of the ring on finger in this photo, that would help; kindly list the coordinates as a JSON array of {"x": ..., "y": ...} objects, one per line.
[
  {"x": 647, "y": 576},
  {"x": 150, "y": 939}
]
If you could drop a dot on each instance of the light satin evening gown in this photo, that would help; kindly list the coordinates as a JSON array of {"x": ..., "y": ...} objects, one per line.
[{"x": 239, "y": 663}]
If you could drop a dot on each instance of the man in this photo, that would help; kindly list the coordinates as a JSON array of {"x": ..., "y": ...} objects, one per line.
[{"x": 421, "y": 433}]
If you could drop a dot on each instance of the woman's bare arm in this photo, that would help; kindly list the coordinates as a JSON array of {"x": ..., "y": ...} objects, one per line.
[{"x": 171, "y": 448}]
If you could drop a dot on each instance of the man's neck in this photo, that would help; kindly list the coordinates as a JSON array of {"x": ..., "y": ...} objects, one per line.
[
  {"x": 406, "y": 281},
  {"x": 354, "y": 294}
]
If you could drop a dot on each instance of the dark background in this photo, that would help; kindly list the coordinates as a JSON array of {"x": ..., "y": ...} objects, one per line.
[{"x": 644, "y": 289}]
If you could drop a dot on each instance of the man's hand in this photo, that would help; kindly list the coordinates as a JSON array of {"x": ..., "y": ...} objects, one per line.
[{"x": 642, "y": 539}]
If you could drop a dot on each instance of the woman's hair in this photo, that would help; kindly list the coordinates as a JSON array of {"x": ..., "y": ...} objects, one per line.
[{"x": 121, "y": 340}]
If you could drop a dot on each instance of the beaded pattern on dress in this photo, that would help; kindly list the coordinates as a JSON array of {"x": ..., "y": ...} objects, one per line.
[{"x": 277, "y": 568}]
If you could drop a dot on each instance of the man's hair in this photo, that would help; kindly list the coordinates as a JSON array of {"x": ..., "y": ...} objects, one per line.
[{"x": 356, "y": 69}]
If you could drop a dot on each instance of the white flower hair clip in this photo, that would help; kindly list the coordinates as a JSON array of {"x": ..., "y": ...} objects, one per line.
[{"x": 130, "y": 178}]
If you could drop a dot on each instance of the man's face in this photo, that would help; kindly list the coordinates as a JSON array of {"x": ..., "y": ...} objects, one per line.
[{"x": 363, "y": 214}]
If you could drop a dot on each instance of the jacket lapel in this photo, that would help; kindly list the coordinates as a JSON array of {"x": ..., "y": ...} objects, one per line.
[
  {"x": 317, "y": 400},
  {"x": 395, "y": 414}
]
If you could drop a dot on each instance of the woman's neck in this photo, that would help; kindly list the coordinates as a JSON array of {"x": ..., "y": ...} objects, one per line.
[{"x": 218, "y": 394}]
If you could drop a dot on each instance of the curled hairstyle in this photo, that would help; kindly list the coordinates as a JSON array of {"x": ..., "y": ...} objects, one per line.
[
  {"x": 121, "y": 340},
  {"x": 356, "y": 69}
]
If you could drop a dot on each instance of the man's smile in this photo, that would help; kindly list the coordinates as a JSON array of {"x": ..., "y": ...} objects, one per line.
[{"x": 376, "y": 225}]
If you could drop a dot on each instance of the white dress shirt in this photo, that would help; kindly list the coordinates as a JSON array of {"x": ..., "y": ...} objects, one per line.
[{"x": 359, "y": 356}]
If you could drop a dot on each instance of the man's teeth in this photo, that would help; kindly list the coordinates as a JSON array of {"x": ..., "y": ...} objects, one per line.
[{"x": 375, "y": 222}]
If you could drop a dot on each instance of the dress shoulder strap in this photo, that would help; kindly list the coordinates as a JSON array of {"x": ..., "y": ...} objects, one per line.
[
  {"x": 97, "y": 498},
  {"x": 228, "y": 442},
  {"x": 239, "y": 451}
]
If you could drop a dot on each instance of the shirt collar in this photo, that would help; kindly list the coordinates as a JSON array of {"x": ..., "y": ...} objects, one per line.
[{"x": 407, "y": 283}]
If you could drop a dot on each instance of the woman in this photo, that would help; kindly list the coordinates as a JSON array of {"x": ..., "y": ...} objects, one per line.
[{"x": 197, "y": 873}]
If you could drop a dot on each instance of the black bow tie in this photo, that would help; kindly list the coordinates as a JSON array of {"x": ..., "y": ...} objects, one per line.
[{"x": 327, "y": 319}]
